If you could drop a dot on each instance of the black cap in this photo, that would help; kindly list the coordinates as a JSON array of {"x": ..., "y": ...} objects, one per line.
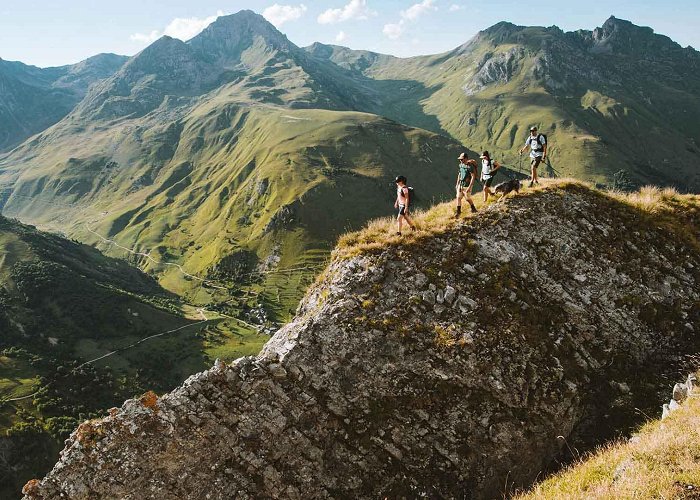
[{"x": 400, "y": 178}]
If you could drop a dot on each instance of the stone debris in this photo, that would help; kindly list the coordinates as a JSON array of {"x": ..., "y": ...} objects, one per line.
[
  {"x": 681, "y": 392},
  {"x": 384, "y": 386}
]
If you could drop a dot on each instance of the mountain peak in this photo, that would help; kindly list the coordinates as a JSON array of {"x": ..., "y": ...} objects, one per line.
[
  {"x": 228, "y": 36},
  {"x": 622, "y": 36},
  {"x": 499, "y": 30},
  {"x": 240, "y": 20}
]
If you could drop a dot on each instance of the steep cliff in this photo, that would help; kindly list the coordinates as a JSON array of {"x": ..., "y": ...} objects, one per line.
[{"x": 448, "y": 365}]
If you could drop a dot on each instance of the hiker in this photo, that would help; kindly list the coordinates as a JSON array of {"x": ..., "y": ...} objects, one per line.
[
  {"x": 465, "y": 182},
  {"x": 403, "y": 202},
  {"x": 489, "y": 168},
  {"x": 538, "y": 152}
]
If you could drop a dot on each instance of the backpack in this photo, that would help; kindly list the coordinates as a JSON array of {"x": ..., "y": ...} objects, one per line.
[
  {"x": 539, "y": 148},
  {"x": 465, "y": 171},
  {"x": 411, "y": 195}
]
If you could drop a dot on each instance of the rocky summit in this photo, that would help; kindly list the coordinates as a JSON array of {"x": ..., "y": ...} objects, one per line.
[{"x": 453, "y": 365}]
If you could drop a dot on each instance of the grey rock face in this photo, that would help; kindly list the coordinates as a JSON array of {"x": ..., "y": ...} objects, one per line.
[
  {"x": 352, "y": 400},
  {"x": 495, "y": 68},
  {"x": 680, "y": 392}
]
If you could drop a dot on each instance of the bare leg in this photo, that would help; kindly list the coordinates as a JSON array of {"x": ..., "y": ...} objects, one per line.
[
  {"x": 459, "y": 201},
  {"x": 409, "y": 222},
  {"x": 471, "y": 202}
]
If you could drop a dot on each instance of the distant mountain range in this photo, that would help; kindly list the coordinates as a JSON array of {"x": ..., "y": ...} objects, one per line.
[
  {"x": 240, "y": 141},
  {"x": 32, "y": 99},
  {"x": 618, "y": 98}
]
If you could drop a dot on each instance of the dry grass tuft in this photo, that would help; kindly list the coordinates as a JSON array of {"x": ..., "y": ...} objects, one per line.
[
  {"x": 651, "y": 199},
  {"x": 662, "y": 462},
  {"x": 381, "y": 233}
]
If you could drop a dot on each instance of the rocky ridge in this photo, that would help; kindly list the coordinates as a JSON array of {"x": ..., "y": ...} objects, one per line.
[{"x": 444, "y": 368}]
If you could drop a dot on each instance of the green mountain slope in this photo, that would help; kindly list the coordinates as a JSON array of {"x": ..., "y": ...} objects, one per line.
[
  {"x": 62, "y": 304},
  {"x": 79, "y": 333},
  {"x": 617, "y": 98},
  {"x": 234, "y": 145},
  {"x": 228, "y": 178},
  {"x": 32, "y": 99}
]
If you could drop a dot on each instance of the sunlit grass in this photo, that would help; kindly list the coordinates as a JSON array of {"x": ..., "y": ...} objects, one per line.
[
  {"x": 654, "y": 200},
  {"x": 663, "y": 462},
  {"x": 380, "y": 233}
]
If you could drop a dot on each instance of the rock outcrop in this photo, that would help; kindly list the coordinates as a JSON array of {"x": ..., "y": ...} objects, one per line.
[{"x": 443, "y": 368}]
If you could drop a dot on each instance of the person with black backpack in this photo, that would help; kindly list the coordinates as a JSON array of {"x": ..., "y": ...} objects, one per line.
[
  {"x": 489, "y": 168},
  {"x": 465, "y": 182},
  {"x": 403, "y": 203},
  {"x": 538, "y": 152}
]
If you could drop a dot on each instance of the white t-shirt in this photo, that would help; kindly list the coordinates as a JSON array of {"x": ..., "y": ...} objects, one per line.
[
  {"x": 486, "y": 167},
  {"x": 535, "y": 143}
]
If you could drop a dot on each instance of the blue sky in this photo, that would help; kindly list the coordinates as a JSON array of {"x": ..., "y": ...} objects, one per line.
[{"x": 55, "y": 32}]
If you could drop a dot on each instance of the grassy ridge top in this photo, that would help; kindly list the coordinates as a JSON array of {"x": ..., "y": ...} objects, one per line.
[
  {"x": 660, "y": 462},
  {"x": 679, "y": 213}
]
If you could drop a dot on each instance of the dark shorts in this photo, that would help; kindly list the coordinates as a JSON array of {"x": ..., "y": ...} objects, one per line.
[
  {"x": 402, "y": 210},
  {"x": 488, "y": 182},
  {"x": 535, "y": 162}
]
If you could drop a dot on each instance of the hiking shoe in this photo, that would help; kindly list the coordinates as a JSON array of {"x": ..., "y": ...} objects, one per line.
[
  {"x": 413, "y": 228},
  {"x": 398, "y": 233},
  {"x": 530, "y": 184},
  {"x": 474, "y": 210}
]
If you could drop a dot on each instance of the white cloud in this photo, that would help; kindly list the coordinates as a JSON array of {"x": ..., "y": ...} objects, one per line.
[
  {"x": 279, "y": 14},
  {"x": 418, "y": 9},
  {"x": 341, "y": 37},
  {"x": 183, "y": 28},
  {"x": 455, "y": 8},
  {"x": 356, "y": 10},
  {"x": 145, "y": 38},
  {"x": 393, "y": 31},
  {"x": 410, "y": 15}
]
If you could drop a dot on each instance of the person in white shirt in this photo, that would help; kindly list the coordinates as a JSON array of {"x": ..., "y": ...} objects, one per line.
[
  {"x": 489, "y": 168},
  {"x": 538, "y": 152}
]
